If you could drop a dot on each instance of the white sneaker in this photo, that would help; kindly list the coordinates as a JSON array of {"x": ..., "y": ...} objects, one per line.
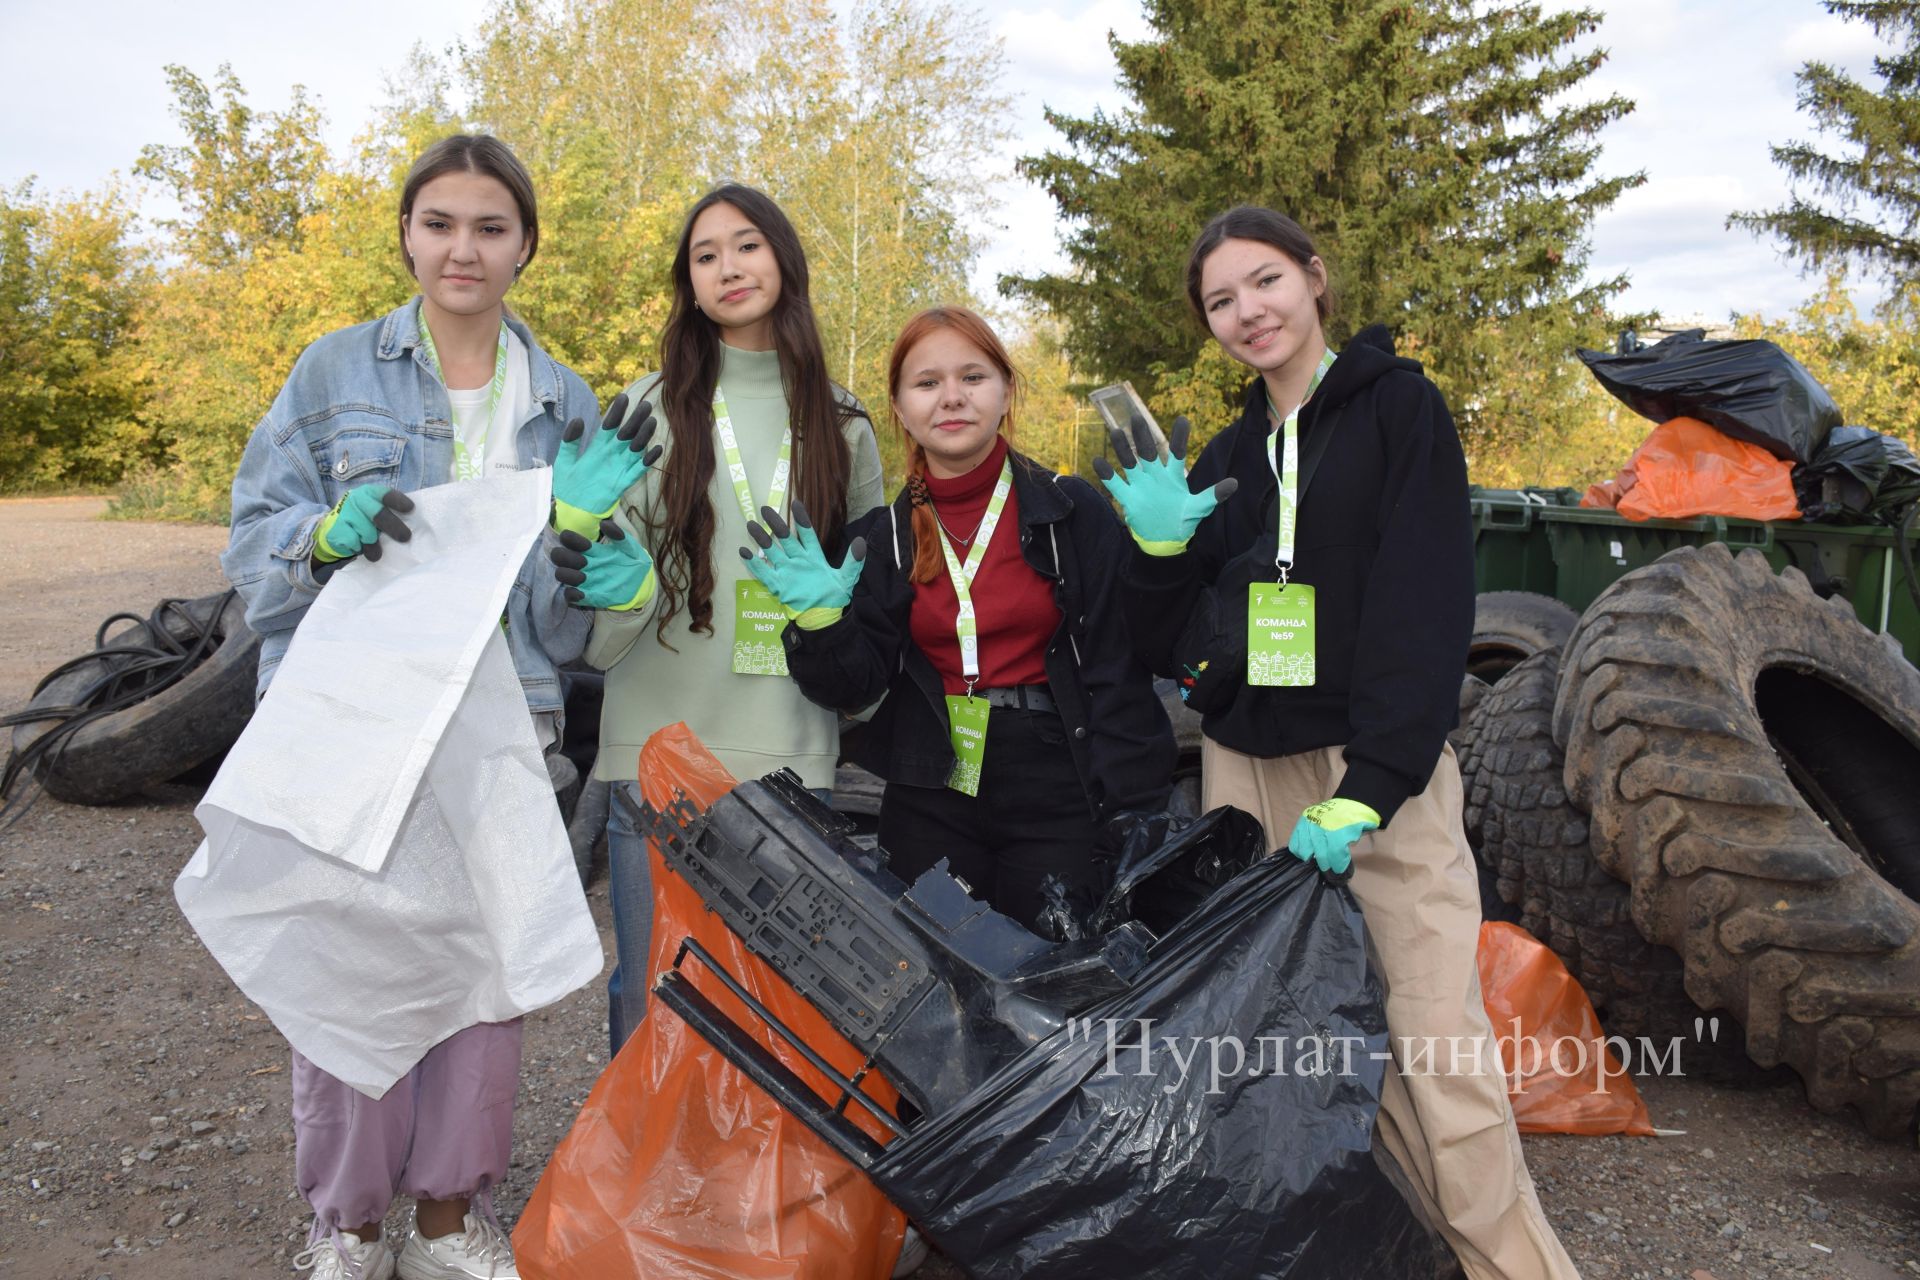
[
  {"x": 913, "y": 1252},
  {"x": 368, "y": 1260},
  {"x": 481, "y": 1252}
]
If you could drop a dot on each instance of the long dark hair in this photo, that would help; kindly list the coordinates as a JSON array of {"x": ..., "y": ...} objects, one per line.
[
  {"x": 680, "y": 531},
  {"x": 1252, "y": 222},
  {"x": 472, "y": 153}
]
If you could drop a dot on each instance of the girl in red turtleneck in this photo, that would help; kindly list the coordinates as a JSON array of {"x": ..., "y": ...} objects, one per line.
[{"x": 1007, "y": 739}]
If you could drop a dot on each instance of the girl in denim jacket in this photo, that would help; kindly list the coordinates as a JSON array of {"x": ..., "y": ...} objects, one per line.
[{"x": 448, "y": 387}]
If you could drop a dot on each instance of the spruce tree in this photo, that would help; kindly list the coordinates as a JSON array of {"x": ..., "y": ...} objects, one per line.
[
  {"x": 1419, "y": 143},
  {"x": 1870, "y": 213}
]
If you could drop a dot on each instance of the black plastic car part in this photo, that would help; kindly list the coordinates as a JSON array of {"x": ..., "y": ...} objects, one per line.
[{"x": 929, "y": 983}]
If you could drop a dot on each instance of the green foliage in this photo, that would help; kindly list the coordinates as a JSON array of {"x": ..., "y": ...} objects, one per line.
[
  {"x": 244, "y": 181},
  {"x": 1868, "y": 204},
  {"x": 876, "y": 137},
  {"x": 621, "y": 131},
  {"x": 1417, "y": 142},
  {"x": 1054, "y": 423},
  {"x": 1871, "y": 367},
  {"x": 1206, "y": 392},
  {"x": 1424, "y": 146},
  {"x": 872, "y": 133},
  {"x": 72, "y": 383},
  {"x": 261, "y": 271}
]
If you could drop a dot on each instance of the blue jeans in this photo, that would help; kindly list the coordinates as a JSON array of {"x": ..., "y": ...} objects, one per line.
[{"x": 630, "y": 894}]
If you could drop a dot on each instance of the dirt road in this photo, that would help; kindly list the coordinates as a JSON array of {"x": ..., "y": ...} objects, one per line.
[
  {"x": 144, "y": 1129},
  {"x": 65, "y": 570}
]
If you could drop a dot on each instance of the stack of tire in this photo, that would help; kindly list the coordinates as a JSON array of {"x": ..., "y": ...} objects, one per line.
[
  {"x": 1704, "y": 795},
  {"x": 201, "y": 659}
]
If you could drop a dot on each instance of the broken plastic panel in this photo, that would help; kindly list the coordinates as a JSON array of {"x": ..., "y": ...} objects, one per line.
[{"x": 932, "y": 984}]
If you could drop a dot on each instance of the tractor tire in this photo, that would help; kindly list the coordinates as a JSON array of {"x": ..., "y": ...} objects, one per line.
[
  {"x": 1511, "y": 626},
  {"x": 1473, "y": 790},
  {"x": 160, "y": 737},
  {"x": 1535, "y": 842},
  {"x": 1747, "y": 754},
  {"x": 1465, "y": 741},
  {"x": 1472, "y": 689},
  {"x": 1521, "y": 821}
]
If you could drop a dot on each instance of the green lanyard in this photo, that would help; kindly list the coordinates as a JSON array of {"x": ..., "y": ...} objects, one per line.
[
  {"x": 1287, "y": 470},
  {"x": 962, "y": 575},
  {"x": 465, "y": 466},
  {"x": 777, "y": 491}
]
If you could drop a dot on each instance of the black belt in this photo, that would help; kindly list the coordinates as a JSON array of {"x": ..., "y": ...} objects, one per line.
[{"x": 1025, "y": 697}]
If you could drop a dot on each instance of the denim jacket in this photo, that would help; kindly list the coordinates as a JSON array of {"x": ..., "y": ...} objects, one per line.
[{"x": 363, "y": 406}]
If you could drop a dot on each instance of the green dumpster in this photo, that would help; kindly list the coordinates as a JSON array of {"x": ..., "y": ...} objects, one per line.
[{"x": 1540, "y": 540}]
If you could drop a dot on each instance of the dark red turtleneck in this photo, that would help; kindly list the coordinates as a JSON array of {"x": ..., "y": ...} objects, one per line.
[{"x": 1013, "y": 606}]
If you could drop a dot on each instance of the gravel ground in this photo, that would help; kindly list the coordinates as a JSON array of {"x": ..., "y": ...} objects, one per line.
[{"x": 144, "y": 1127}]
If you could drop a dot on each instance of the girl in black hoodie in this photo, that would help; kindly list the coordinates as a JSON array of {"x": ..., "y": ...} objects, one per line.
[{"x": 1315, "y": 600}]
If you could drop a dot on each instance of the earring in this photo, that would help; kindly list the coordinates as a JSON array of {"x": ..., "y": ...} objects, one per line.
[
  {"x": 518, "y": 267},
  {"x": 696, "y": 304}
]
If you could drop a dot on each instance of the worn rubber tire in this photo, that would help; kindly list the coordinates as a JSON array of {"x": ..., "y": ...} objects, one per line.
[
  {"x": 1510, "y": 626},
  {"x": 1473, "y": 790},
  {"x": 1701, "y": 702},
  {"x": 1465, "y": 741},
  {"x": 587, "y": 827},
  {"x": 1472, "y": 690},
  {"x": 1534, "y": 840},
  {"x": 1521, "y": 821},
  {"x": 184, "y": 725}
]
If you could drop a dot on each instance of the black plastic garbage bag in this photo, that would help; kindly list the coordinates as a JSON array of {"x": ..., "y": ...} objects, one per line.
[
  {"x": 1748, "y": 388},
  {"x": 1163, "y": 866},
  {"x": 1190, "y": 1098},
  {"x": 1096, "y": 1154},
  {"x": 1858, "y": 475},
  {"x": 1155, "y": 868}
]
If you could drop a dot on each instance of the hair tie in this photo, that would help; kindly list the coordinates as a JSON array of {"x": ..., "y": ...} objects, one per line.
[{"x": 917, "y": 492}]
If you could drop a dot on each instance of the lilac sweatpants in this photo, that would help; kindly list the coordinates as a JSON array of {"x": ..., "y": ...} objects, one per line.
[{"x": 442, "y": 1132}]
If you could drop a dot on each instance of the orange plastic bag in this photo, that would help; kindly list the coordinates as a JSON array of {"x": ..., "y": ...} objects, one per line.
[
  {"x": 678, "y": 1167},
  {"x": 1569, "y": 1080},
  {"x": 1687, "y": 468},
  {"x": 1606, "y": 494}
]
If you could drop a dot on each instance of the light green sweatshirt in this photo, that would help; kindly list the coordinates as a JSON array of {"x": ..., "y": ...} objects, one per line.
[{"x": 753, "y": 724}]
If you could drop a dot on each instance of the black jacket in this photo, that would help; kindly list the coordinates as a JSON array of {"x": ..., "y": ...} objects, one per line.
[
  {"x": 1118, "y": 732},
  {"x": 1384, "y": 537}
]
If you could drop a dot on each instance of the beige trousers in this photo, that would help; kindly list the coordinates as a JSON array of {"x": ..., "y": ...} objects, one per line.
[{"x": 1444, "y": 1116}]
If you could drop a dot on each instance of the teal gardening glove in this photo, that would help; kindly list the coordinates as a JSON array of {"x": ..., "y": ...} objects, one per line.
[
  {"x": 1325, "y": 833},
  {"x": 354, "y": 526},
  {"x": 1160, "y": 510},
  {"x": 615, "y": 573},
  {"x": 794, "y": 567},
  {"x": 588, "y": 482}
]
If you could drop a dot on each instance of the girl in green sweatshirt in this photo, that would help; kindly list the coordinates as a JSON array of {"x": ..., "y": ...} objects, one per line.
[{"x": 682, "y": 629}]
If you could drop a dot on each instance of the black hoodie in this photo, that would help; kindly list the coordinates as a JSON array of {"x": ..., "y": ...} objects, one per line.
[
  {"x": 1386, "y": 541},
  {"x": 1117, "y": 731}
]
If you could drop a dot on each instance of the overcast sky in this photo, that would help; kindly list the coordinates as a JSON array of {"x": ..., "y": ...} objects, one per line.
[{"x": 1712, "y": 79}]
